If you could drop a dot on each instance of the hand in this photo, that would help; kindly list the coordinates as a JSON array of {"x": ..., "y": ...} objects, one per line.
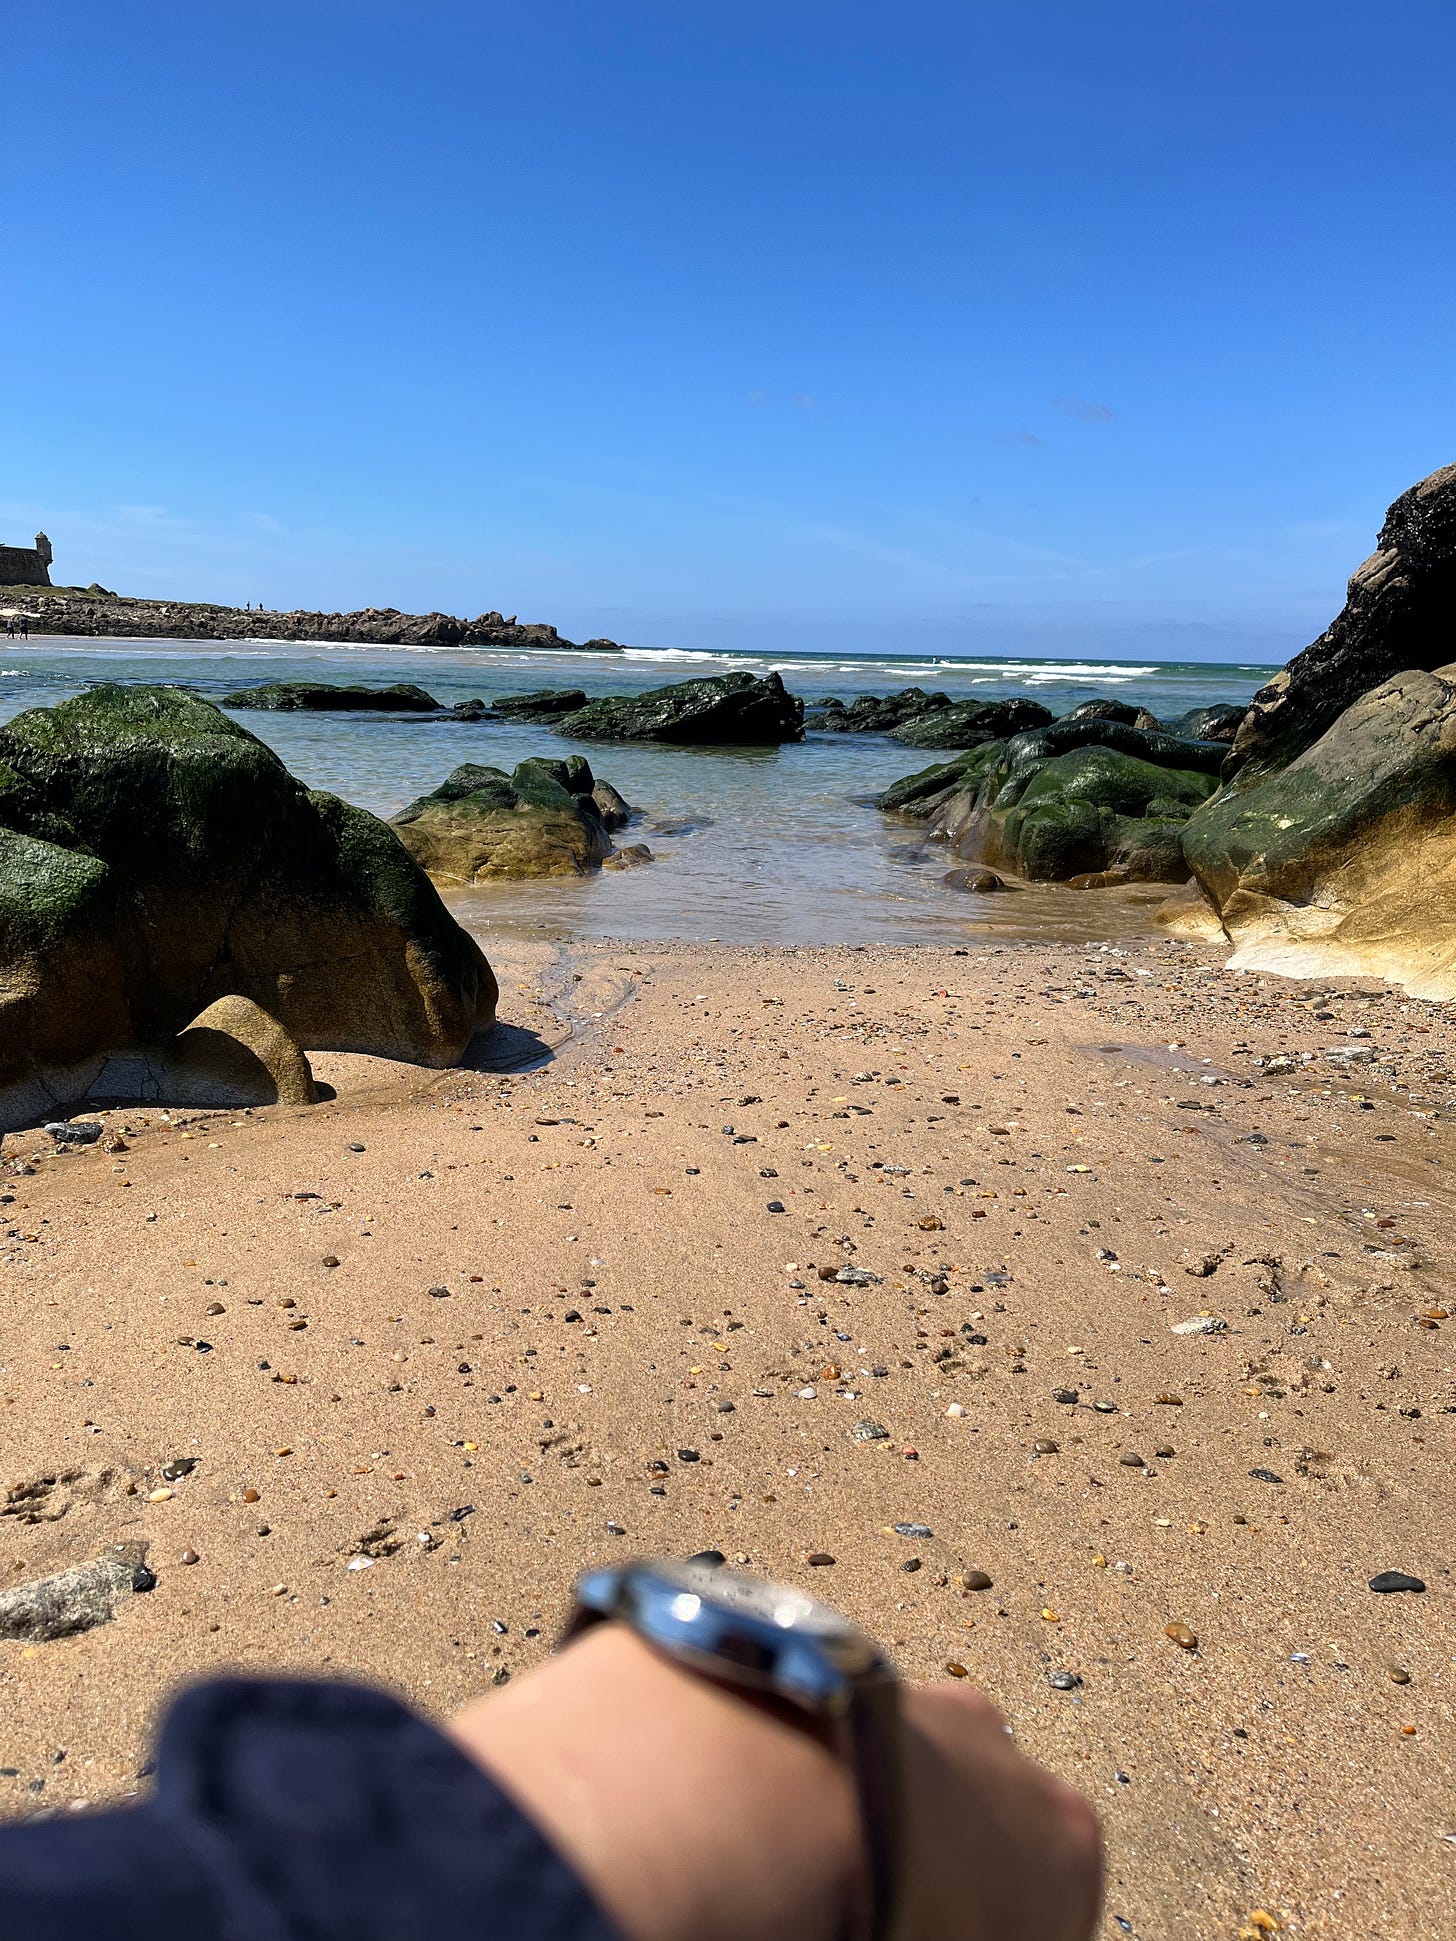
[{"x": 696, "y": 1816}]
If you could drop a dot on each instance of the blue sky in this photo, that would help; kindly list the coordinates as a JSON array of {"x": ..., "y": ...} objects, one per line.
[{"x": 1013, "y": 327}]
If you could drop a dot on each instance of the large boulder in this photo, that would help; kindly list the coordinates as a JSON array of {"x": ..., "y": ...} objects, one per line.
[
  {"x": 309, "y": 697},
  {"x": 1396, "y": 616},
  {"x": 1344, "y": 863},
  {"x": 1103, "y": 708},
  {"x": 1083, "y": 798},
  {"x": 482, "y": 825},
  {"x": 969, "y": 724},
  {"x": 722, "y": 710},
  {"x": 155, "y": 856},
  {"x": 1219, "y": 721}
]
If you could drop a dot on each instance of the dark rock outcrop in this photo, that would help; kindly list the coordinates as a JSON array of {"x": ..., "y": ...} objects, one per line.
[
  {"x": 155, "y": 856},
  {"x": 1103, "y": 709},
  {"x": 875, "y": 714},
  {"x": 290, "y": 697},
  {"x": 1219, "y": 721},
  {"x": 545, "y": 704},
  {"x": 1344, "y": 862},
  {"x": 722, "y": 710},
  {"x": 1397, "y": 617},
  {"x": 482, "y": 825},
  {"x": 967, "y": 724}
]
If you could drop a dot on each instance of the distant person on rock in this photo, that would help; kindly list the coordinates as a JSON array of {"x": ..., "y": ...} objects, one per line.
[{"x": 709, "y": 1758}]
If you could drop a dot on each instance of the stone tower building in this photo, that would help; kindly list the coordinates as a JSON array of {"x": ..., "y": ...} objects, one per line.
[{"x": 26, "y": 565}]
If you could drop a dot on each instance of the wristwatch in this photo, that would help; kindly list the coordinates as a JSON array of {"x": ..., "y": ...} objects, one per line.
[{"x": 773, "y": 1640}]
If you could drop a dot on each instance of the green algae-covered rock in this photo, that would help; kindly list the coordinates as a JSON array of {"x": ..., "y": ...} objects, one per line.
[
  {"x": 1344, "y": 862},
  {"x": 722, "y": 710},
  {"x": 482, "y": 824},
  {"x": 969, "y": 724},
  {"x": 918, "y": 796},
  {"x": 292, "y": 697},
  {"x": 155, "y": 850}
]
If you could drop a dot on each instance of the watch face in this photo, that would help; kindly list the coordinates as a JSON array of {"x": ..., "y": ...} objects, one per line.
[{"x": 781, "y": 1605}]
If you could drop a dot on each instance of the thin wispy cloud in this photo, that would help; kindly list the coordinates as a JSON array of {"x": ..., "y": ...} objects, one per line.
[
  {"x": 802, "y": 401},
  {"x": 1028, "y": 438},
  {"x": 1085, "y": 409}
]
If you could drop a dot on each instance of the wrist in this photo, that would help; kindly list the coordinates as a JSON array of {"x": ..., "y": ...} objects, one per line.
[{"x": 691, "y": 1811}]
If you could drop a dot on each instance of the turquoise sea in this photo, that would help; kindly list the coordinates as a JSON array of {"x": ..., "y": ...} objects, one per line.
[{"x": 777, "y": 845}]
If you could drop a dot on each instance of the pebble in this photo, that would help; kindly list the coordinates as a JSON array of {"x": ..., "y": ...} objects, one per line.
[
  {"x": 1063, "y": 1681},
  {"x": 1067, "y": 1395},
  {"x": 1131, "y": 1461},
  {"x": 250, "y": 1496},
  {"x": 1200, "y": 1324},
  {"x": 955, "y": 1409},
  {"x": 714, "y": 1559},
  {"x": 1396, "y": 1580},
  {"x": 956, "y": 1669},
  {"x": 775, "y": 1206},
  {"x": 1268, "y": 1476},
  {"x": 1399, "y": 1675},
  {"x": 1046, "y": 1447},
  {"x": 331, "y": 1260},
  {"x": 178, "y": 1466},
  {"x": 354, "y": 1146},
  {"x": 976, "y": 1580},
  {"x": 818, "y": 1557},
  {"x": 688, "y": 1455},
  {"x": 1181, "y": 1635},
  {"x": 868, "y": 1431},
  {"x": 1105, "y": 1408},
  {"x": 187, "y": 1557},
  {"x": 84, "y": 1132},
  {"x": 438, "y": 1293},
  {"x": 913, "y": 1530}
]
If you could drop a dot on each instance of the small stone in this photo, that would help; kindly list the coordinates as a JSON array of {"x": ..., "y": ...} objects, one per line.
[
  {"x": 354, "y": 1146},
  {"x": 688, "y": 1455},
  {"x": 911, "y": 1563},
  {"x": 868, "y": 1431},
  {"x": 187, "y": 1557},
  {"x": 921, "y": 1530},
  {"x": 955, "y": 1669},
  {"x": 330, "y": 1260},
  {"x": 1067, "y": 1395},
  {"x": 615, "y": 1530},
  {"x": 932, "y": 1223},
  {"x": 1105, "y": 1407},
  {"x": 1168, "y": 1399},
  {"x": 84, "y": 1132},
  {"x": 1063, "y": 1681},
  {"x": 714, "y": 1559},
  {"x": 1399, "y": 1675},
  {"x": 1131, "y": 1461},
  {"x": 1396, "y": 1580},
  {"x": 214, "y": 1307},
  {"x": 166, "y": 1495},
  {"x": 1165, "y": 1451},
  {"x": 956, "y": 1409},
  {"x": 1181, "y": 1636},
  {"x": 775, "y": 1206},
  {"x": 438, "y": 1293},
  {"x": 1046, "y": 1447},
  {"x": 818, "y": 1558},
  {"x": 1268, "y": 1476},
  {"x": 250, "y": 1496},
  {"x": 179, "y": 1466},
  {"x": 975, "y": 1580}
]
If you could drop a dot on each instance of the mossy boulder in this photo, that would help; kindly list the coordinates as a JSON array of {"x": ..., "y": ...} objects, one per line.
[
  {"x": 1344, "y": 862},
  {"x": 877, "y": 714},
  {"x": 155, "y": 856},
  {"x": 1072, "y": 799},
  {"x": 970, "y": 724},
  {"x": 545, "y": 704},
  {"x": 311, "y": 697},
  {"x": 482, "y": 824},
  {"x": 722, "y": 710}
]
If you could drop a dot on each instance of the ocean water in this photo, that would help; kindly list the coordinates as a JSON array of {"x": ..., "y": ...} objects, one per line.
[{"x": 755, "y": 845}]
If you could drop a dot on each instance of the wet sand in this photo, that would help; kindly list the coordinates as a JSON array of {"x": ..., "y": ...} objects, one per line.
[{"x": 1075, "y": 1144}]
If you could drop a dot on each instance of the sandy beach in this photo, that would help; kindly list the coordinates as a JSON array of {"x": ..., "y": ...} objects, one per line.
[{"x": 771, "y": 1251}]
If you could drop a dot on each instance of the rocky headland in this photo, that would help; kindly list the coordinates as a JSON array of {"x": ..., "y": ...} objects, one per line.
[{"x": 95, "y": 612}]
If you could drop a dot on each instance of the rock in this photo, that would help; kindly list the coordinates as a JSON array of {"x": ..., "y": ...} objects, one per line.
[
  {"x": 632, "y": 857},
  {"x": 614, "y": 809},
  {"x": 1063, "y": 1681},
  {"x": 542, "y": 704},
  {"x": 975, "y": 1580},
  {"x": 289, "y": 697},
  {"x": 918, "y": 1530},
  {"x": 980, "y": 882},
  {"x": 1067, "y": 1396},
  {"x": 1342, "y": 863},
  {"x": 918, "y": 796},
  {"x": 1396, "y": 618},
  {"x": 155, "y": 856},
  {"x": 1396, "y": 1580},
  {"x": 873, "y": 714},
  {"x": 722, "y": 710},
  {"x": 234, "y": 1053},
  {"x": 1103, "y": 710},
  {"x": 76, "y": 1599},
  {"x": 1182, "y": 1635},
  {"x": 1188, "y": 914},
  {"x": 1200, "y": 1324},
  {"x": 868, "y": 1431},
  {"x": 1218, "y": 722},
  {"x": 481, "y": 824},
  {"x": 80, "y": 1132},
  {"x": 969, "y": 724}
]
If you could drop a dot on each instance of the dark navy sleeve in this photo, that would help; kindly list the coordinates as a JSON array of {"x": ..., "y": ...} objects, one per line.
[{"x": 296, "y": 1811}]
